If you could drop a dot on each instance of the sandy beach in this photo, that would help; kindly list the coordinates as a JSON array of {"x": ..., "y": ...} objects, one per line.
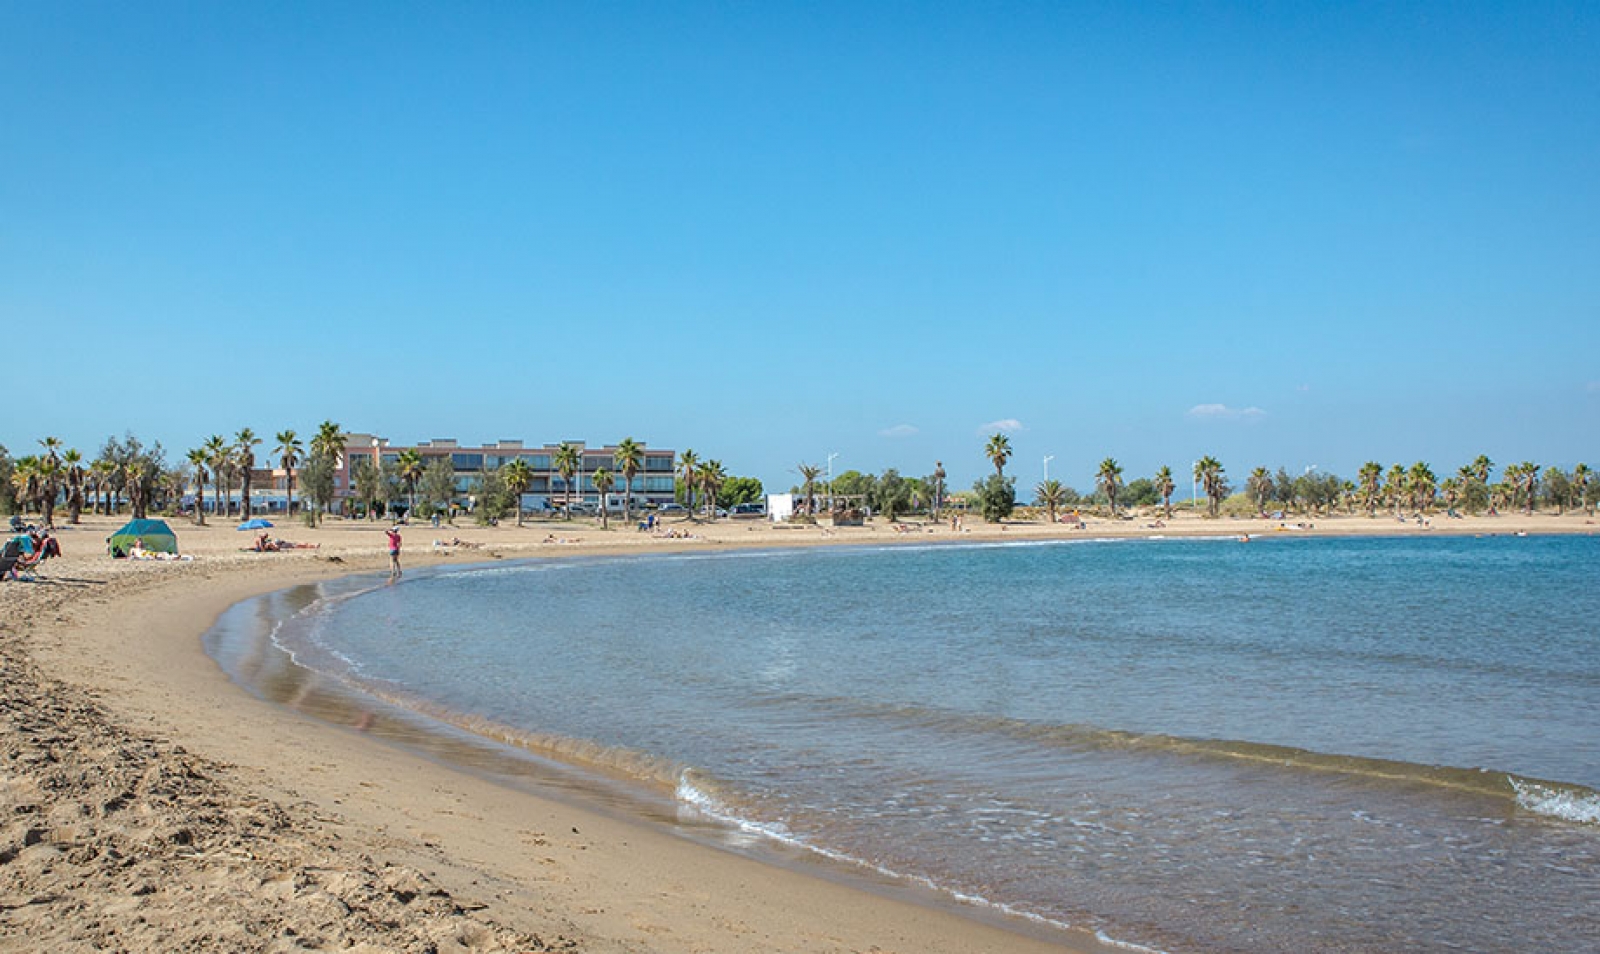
[{"x": 152, "y": 805}]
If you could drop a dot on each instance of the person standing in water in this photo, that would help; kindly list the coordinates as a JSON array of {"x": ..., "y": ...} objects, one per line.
[{"x": 394, "y": 552}]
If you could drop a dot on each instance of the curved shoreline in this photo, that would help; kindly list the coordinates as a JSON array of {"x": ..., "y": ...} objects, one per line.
[
  {"x": 528, "y": 865},
  {"x": 128, "y": 742}
]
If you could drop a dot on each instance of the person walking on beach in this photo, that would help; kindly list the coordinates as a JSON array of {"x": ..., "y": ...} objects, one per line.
[{"x": 394, "y": 552}]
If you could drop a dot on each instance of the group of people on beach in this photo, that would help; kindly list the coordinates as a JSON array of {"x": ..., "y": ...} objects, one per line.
[
  {"x": 265, "y": 544},
  {"x": 26, "y": 550}
]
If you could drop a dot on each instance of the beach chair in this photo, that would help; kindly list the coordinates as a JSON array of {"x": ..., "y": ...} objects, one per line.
[{"x": 15, "y": 559}]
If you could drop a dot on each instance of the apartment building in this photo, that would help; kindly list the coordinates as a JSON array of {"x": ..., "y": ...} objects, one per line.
[{"x": 653, "y": 483}]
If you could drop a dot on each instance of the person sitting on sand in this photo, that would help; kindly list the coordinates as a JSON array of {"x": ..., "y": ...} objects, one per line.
[{"x": 264, "y": 544}]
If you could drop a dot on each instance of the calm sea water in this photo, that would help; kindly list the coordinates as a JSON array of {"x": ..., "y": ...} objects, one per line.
[{"x": 1185, "y": 745}]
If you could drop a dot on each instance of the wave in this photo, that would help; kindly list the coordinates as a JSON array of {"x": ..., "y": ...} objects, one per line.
[
  {"x": 1565, "y": 801},
  {"x": 706, "y": 796}
]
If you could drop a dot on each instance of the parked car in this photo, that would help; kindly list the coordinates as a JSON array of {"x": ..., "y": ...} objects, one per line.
[
  {"x": 672, "y": 508},
  {"x": 748, "y": 510}
]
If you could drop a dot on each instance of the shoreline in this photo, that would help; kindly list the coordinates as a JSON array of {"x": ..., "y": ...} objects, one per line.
[{"x": 118, "y": 645}]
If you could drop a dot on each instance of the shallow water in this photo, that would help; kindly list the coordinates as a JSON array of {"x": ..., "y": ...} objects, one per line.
[{"x": 1190, "y": 745}]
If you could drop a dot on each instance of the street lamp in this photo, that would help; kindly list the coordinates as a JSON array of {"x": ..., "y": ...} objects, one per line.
[
  {"x": 1047, "y": 461},
  {"x": 1194, "y": 486},
  {"x": 830, "y": 478}
]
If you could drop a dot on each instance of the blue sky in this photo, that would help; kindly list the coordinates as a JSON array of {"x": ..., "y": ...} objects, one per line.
[{"x": 1285, "y": 234}]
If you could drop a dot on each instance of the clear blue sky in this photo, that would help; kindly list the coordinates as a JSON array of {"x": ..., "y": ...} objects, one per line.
[{"x": 1284, "y": 234}]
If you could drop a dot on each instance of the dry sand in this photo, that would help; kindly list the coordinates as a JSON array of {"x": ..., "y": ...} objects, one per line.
[{"x": 148, "y": 804}]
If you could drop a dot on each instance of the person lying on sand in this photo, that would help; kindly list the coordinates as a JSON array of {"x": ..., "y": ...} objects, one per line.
[
  {"x": 138, "y": 552},
  {"x": 552, "y": 538}
]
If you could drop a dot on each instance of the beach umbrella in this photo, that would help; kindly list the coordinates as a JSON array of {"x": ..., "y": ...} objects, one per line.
[{"x": 255, "y": 524}]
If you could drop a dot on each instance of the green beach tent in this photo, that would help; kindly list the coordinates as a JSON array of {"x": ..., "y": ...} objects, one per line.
[{"x": 153, "y": 534}]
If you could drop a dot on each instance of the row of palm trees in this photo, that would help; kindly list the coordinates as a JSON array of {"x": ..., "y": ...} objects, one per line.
[
  {"x": 220, "y": 462},
  {"x": 1053, "y": 494},
  {"x": 1398, "y": 487},
  {"x": 64, "y": 476}
]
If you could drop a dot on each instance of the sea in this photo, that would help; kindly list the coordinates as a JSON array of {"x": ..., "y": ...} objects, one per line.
[{"x": 1294, "y": 743}]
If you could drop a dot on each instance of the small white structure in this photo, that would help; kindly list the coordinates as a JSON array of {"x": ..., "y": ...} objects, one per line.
[{"x": 780, "y": 507}]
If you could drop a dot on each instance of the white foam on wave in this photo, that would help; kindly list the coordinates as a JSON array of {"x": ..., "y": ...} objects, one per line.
[
  {"x": 707, "y": 804},
  {"x": 1558, "y": 803}
]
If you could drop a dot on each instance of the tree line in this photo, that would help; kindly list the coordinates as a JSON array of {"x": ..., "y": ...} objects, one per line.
[
  {"x": 1397, "y": 488},
  {"x": 129, "y": 471}
]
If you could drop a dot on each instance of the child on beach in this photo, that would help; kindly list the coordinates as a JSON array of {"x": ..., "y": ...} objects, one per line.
[{"x": 394, "y": 551}]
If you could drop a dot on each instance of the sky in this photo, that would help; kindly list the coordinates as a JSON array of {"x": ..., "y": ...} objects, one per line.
[{"x": 1293, "y": 234}]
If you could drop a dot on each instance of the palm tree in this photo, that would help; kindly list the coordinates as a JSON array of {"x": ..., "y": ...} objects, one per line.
[
  {"x": 710, "y": 477},
  {"x": 688, "y": 467},
  {"x": 49, "y": 486},
  {"x": 1422, "y": 485},
  {"x": 245, "y": 447},
  {"x": 1208, "y": 470},
  {"x": 50, "y": 472},
  {"x": 289, "y": 451},
  {"x": 1109, "y": 479},
  {"x": 74, "y": 466},
  {"x": 136, "y": 477},
  {"x": 1482, "y": 466},
  {"x": 329, "y": 444},
  {"x": 1581, "y": 477},
  {"x": 567, "y": 459},
  {"x": 1259, "y": 487},
  {"x": 1394, "y": 487},
  {"x": 1530, "y": 480},
  {"x": 938, "y": 487},
  {"x": 330, "y": 441},
  {"x": 603, "y": 482},
  {"x": 200, "y": 460},
  {"x": 1450, "y": 490},
  {"x": 219, "y": 455},
  {"x": 1371, "y": 477},
  {"x": 411, "y": 469},
  {"x": 517, "y": 477},
  {"x": 100, "y": 476},
  {"x": 1165, "y": 487},
  {"x": 1052, "y": 495},
  {"x": 629, "y": 458},
  {"x": 25, "y": 479},
  {"x": 998, "y": 450},
  {"x": 808, "y": 476}
]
